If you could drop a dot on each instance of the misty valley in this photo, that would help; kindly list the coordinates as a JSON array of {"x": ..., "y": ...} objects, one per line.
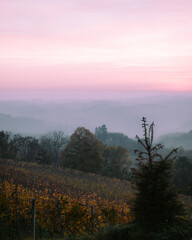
[{"x": 75, "y": 170}]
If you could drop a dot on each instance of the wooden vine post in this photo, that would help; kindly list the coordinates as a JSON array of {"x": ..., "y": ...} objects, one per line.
[{"x": 33, "y": 219}]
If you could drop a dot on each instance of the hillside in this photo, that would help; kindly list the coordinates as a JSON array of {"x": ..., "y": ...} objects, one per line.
[
  {"x": 183, "y": 140},
  {"x": 65, "y": 200},
  {"x": 66, "y": 181},
  {"x": 22, "y": 124}
]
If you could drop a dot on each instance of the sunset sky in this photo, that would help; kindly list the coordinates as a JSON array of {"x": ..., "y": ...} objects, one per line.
[{"x": 113, "y": 45}]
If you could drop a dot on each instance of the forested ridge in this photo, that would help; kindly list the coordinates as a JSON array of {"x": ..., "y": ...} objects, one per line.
[{"x": 89, "y": 181}]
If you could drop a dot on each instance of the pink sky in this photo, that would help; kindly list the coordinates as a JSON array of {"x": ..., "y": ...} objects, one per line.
[{"x": 96, "y": 45}]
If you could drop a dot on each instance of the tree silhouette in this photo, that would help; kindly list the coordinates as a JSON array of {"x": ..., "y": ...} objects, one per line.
[{"x": 156, "y": 201}]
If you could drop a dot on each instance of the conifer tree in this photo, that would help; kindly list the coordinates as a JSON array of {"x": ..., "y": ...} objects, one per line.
[{"x": 156, "y": 201}]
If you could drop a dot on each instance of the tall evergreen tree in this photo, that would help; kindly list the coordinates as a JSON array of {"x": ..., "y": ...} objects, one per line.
[
  {"x": 156, "y": 200},
  {"x": 101, "y": 133}
]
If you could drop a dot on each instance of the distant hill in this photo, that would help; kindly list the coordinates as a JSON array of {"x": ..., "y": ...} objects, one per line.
[
  {"x": 177, "y": 140},
  {"x": 21, "y": 125},
  {"x": 170, "y": 114}
]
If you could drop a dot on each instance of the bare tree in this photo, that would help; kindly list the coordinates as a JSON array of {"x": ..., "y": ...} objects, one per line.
[{"x": 51, "y": 145}]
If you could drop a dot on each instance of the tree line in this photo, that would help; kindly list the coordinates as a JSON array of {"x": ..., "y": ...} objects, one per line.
[
  {"x": 82, "y": 151},
  {"x": 106, "y": 153}
]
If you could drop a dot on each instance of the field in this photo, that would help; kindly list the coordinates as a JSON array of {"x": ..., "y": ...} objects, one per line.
[{"x": 68, "y": 202}]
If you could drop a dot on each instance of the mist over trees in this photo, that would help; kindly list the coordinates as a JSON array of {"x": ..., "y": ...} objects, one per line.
[
  {"x": 157, "y": 175},
  {"x": 177, "y": 140},
  {"x": 114, "y": 151},
  {"x": 116, "y": 139},
  {"x": 37, "y": 117}
]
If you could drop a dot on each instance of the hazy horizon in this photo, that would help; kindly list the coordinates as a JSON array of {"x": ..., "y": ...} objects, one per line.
[
  {"x": 51, "y": 95},
  {"x": 40, "y": 112}
]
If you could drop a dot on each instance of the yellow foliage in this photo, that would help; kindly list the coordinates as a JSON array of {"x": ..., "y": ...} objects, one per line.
[{"x": 60, "y": 205}]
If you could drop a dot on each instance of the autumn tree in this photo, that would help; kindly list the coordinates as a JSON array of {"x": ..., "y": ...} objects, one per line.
[
  {"x": 83, "y": 152},
  {"x": 156, "y": 201}
]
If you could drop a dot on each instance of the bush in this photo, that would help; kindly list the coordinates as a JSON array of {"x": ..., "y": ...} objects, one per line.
[{"x": 181, "y": 230}]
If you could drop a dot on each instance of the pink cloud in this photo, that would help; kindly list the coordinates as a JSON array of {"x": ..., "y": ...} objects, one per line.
[
  {"x": 95, "y": 77},
  {"x": 93, "y": 44}
]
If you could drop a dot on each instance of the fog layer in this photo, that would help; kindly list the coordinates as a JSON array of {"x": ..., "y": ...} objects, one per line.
[{"x": 170, "y": 113}]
